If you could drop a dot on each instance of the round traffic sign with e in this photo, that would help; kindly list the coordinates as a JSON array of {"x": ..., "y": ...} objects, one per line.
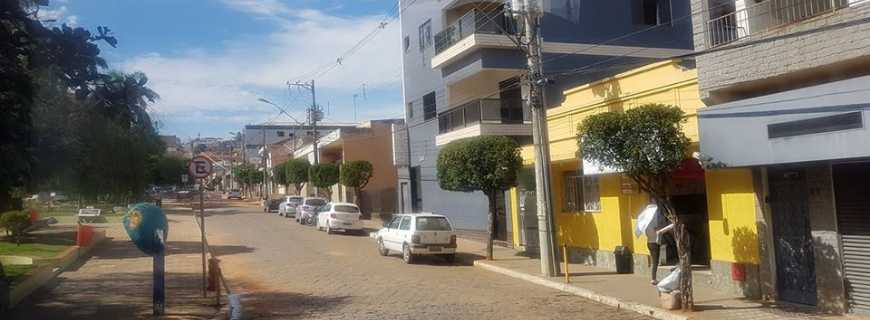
[{"x": 199, "y": 167}]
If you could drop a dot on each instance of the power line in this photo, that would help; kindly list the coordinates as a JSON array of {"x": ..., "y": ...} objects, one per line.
[{"x": 326, "y": 68}]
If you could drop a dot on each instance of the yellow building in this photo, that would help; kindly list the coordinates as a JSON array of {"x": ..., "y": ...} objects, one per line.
[{"x": 596, "y": 211}]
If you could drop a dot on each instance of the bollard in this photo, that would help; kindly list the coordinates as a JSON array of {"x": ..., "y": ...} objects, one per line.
[
  {"x": 565, "y": 259},
  {"x": 235, "y": 302}
]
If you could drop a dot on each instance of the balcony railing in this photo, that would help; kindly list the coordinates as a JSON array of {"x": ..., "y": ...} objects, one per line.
[
  {"x": 764, "y": 16},
  {"x": 475, "y": 21},
  {"x": 482, "y": 111}
]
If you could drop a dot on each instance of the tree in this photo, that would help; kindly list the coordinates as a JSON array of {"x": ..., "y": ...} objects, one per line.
[
  {"x": 356, "y": 175},
  {"x": 324, "y": 176},
  {"x": 247, "y": 175},
  {"x": 647, "y": 144},
  {"x": 168, "y": 170},
  {"x": 297, "y": 173},
  {"x": 486, "y": 163},
  {"x": 279, "y": 174}
]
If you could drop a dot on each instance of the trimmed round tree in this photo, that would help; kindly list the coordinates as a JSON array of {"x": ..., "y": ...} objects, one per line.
[
  {"x": 647, "y": 144},
  {"x": 356, "y": 175},
  {"x": 324, "y": 176},
  {"x": 487, "y": 163},
  {"x": 297, "y": 173}
]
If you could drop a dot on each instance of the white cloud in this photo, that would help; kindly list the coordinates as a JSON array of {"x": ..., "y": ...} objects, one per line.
[
  {"x": 57, "y": 16},
  {"x": 232, "y": 77}
]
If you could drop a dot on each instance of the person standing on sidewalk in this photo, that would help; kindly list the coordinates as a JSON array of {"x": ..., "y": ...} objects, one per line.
[{"x": 653, "y": 224}]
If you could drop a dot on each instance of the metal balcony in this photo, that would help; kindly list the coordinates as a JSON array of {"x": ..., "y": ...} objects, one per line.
[
  {"x": 765, "y": 16},
  {"x": 482, "y": 111},
  {"x": 475, "y": 21}
]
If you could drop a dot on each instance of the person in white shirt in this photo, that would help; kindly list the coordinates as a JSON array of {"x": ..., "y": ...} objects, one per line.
[{"x": 653, "y": 220}]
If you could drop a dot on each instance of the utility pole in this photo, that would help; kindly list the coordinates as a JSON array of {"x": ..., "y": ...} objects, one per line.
[
  {"x": 530, "y": 12},
  {"x": 314, "y": 114}
]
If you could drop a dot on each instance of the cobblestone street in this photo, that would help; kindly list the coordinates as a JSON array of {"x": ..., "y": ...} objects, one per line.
[{"x": 294, "y": 271}]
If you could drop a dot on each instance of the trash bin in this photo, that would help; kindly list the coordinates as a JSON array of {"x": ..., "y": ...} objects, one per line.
[
  {"x": 85, "y": 235},
  {"x": 623, "y": 259}
]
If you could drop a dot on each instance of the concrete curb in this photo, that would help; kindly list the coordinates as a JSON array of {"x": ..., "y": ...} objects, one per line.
[
  {"x": 646, "y": 310},
  {"x": 42, "y": 275}
]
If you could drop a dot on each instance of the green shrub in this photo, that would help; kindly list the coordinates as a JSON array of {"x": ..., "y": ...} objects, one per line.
[{"x": 15, "y": 223}]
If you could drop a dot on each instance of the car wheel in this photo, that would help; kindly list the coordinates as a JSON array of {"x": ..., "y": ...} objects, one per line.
[
  {"x": 328, "y": 230},
  {"x": 407, "y": 256},
  {"x": 382, "y": 249},
  {"x": 450, "y": 258}
]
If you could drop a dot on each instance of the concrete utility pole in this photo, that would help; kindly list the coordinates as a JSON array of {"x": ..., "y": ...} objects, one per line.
[
  {"x": 530, "y": 12},
  {"x": 314, "y": 114}
]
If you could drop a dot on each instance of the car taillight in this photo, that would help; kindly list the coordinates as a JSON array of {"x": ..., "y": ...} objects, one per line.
[
  {"x": 415, "y": 239},
  {"x": 453, "y": 239}
]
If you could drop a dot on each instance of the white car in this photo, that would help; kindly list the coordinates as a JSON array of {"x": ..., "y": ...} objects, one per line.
[
  {"x": 418, "y": 234},
  {"x": 339, "y": 216},
  {"x": 234, "y": 194},
  {"x": 288, "y": 206},
  {"x": 307, "y": 210}
]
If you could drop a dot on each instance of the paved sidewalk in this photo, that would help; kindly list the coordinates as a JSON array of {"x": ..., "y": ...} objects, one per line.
[
  {"x": 633, "y": 292},
  {"x": 115, "y": 283}
]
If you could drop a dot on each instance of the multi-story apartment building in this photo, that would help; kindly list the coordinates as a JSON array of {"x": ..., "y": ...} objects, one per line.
[
  {"x": 461, "y": 77},
  {"x": 787, "y": 86},
  {"x": 255, "y": 136}
]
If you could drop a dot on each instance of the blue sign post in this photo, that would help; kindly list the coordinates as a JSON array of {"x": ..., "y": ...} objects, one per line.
[{"x": 147, "y": 227}]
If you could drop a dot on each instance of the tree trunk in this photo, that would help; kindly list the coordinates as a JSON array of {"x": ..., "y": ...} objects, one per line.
[
  {"x": 490, "y": 197},
  {"x": 684, "y": 252}
]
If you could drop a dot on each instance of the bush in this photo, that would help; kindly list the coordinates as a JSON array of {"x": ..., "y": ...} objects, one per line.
[{"x": 15, "y": 223}]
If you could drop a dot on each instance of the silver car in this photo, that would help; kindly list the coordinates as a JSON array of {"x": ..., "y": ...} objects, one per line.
[
  {"x": 288, "y": 206},
  {"x": 306, "y": 212}
]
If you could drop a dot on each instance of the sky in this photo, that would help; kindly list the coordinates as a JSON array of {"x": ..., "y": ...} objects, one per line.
[{"x": 211, "y": 60}]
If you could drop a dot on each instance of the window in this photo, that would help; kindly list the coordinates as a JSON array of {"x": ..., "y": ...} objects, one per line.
[
  {"x": 429, "y": 110},
  {"x": 581, "y": 193},
  {"x": 406, "y": 224},
  {"x": 591, "y": 197},
  {"x": 346, "y": 209},
  {"x": 651, "y": 12},
  {"x": 406, "y": 43},
  {"x": 425, "y": 35},
  {"x": 432, "y": 224},
  {"x": 280, "y": 133},
  {"x": 394, "y": 224},
  {"x": 410, "y": 110}
]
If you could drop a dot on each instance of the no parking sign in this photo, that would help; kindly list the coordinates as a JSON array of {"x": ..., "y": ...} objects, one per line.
[{"x": 199, "y": 167}]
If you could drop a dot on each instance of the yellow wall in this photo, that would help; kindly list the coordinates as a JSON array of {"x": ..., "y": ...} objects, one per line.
[
  {"x": 730, "y": 193},
  {"x": 731, "y": 204},
  {"x": 664, "y": 83}
]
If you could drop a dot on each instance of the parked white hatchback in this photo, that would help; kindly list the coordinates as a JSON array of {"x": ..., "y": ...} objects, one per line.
[
  {"x": 418, "y": 234},
  {"x": 339, "y": 216}
]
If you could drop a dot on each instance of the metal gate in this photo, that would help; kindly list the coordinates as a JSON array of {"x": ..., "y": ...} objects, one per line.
[
  {"x": 793, "y": 245},
  {"x": 853, "y": 217}
]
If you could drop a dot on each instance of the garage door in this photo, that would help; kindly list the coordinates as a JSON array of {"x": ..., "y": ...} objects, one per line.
[{"x": 853, "y": 215}]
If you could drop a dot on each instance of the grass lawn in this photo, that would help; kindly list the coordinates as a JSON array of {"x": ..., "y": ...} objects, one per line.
[
  {"x": 13, "y": 272},
  {"x": 34, "y": 250}
]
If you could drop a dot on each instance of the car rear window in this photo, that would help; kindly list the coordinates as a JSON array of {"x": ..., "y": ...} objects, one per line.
[
  {"x": 346, "y": 208},
  {"x": 295, "y": 199},
  {"x": 315, "y": 202},
  {"x": 433, "y": 224}
]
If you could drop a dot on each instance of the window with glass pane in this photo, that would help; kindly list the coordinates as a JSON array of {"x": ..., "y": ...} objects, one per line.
[
  {"x": 573, "y": 188},
  {"x": 581, "y": 193},
  {"x": 591, "y": 197},
  {"x": 432, "y": 224},
  {"x": 406, "y": 223}
]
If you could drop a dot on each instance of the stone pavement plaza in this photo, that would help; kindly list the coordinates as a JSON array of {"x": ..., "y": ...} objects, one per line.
[{"x": 115, "y": 283}]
